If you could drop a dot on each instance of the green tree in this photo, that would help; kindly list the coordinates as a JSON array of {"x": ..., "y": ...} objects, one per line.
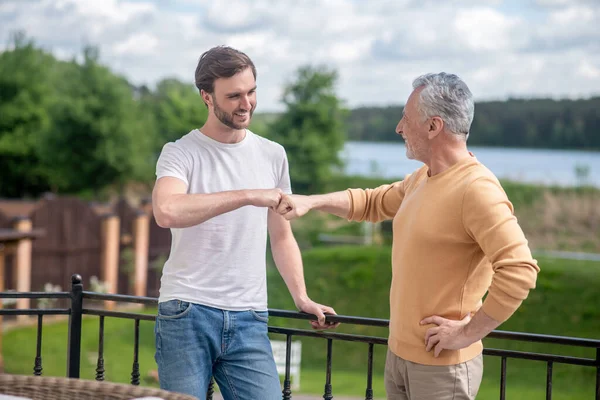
[
  {"x": 26, "y": 76},
  {"x": 177, "y": 108},
  {"x": 311, "y": 129},
  {"x": 98, "y": 135}
]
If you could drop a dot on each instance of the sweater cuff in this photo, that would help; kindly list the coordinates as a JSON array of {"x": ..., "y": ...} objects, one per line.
[
  {"x": 358, "y": 200},
  {"x": 500, "y": 310}
]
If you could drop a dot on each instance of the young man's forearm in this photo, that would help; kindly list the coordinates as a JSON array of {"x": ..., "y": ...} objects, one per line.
[
  {"x": 185, "y": 210},
  {"x": 288, "y": 260}
]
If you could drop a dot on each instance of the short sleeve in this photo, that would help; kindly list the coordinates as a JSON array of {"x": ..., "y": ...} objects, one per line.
[
  {"x": 173, "y": 162},
  {"x": 284, "y": 175}
]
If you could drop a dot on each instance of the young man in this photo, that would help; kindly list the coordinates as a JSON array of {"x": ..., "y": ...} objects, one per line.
[
  {"x": 454, "y": 238},
  {"x": 217, "y": 188}
]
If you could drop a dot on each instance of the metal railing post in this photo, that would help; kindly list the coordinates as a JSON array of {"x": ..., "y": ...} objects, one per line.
[
  {"x": 597, "y": 373},
  {"x": 74, "y": 345}
]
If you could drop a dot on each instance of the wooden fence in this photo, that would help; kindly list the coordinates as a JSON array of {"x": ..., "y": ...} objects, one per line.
[{"x": 120, "y": 244}]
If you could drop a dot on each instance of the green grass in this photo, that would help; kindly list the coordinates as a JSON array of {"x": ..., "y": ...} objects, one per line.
[
  {"x": 354, "y": 384},
  {"x": 19, "y": 349},
  {"x": 355, "y": 280},
  {"x": 19, "y": 356},
  {"x": 342, "y": 382}
]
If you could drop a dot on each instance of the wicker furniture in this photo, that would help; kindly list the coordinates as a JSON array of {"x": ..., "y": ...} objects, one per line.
[{"x": 51, "y": 388}]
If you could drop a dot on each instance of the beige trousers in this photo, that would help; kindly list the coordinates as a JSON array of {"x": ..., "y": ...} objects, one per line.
[{"x": 405, "y": 380}]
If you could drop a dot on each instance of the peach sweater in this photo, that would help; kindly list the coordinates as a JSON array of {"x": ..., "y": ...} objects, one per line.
[{"x": 455, "y": 237}]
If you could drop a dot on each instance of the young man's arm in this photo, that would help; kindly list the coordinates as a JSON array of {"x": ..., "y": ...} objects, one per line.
[
  {"x": 174, "y": 208},
  {"x": 289, "y": 263}
]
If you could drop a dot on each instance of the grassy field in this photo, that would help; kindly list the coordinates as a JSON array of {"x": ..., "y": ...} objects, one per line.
[{"x": 355, "y": 281}]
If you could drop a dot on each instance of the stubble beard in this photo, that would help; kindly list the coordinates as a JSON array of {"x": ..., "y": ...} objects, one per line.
[{"x": 228, "y": 119}]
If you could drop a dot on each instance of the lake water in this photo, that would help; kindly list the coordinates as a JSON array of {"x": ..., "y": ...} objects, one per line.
[{"x": 551, "y": 167}]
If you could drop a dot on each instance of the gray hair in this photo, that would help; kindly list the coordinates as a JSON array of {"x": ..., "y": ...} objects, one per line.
[{"x": 448, "y": 97}]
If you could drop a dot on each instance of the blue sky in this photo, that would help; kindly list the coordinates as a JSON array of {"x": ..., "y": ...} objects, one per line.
[{"x": 501, "y": 48}]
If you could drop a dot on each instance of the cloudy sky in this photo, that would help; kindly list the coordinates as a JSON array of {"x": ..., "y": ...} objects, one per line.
[{"x": 502, "y": 48}]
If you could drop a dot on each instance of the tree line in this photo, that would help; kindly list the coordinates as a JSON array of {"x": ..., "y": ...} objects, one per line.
[{"x": 530, "y": 123}]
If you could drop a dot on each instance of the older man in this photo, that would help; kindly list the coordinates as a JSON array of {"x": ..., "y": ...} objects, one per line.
[{"x": 455, "y": 237}]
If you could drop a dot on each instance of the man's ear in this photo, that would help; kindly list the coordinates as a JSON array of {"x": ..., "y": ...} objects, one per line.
[
  {"x": 436, "y": 125},
  {"x": 206, "y": 97}
]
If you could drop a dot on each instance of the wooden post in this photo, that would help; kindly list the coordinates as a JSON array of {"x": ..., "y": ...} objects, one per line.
[
  {"x": 110, "y": 255},
  {"x": 22, "y": 265},
  {"x": 9, "y": 237},
  {"x": 141, "y": 237},
  {"x": 1, "y": 304}
]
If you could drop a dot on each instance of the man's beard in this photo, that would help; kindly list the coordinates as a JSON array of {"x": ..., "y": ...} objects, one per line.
[
  {"x": 410, "y": 153},
  {"x": 228, "y": 119},
  {"x": 416, "y": 150}
]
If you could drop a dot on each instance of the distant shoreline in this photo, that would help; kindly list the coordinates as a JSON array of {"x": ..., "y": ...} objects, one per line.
[
  {"x": 543, "y": 167},
  {"x": 490, "y": 146}
]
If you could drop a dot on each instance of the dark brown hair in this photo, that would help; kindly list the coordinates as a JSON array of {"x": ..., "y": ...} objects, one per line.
[{"x": 220, "y": 62}]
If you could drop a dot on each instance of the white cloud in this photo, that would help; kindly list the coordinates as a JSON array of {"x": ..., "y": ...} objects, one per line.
[
  {"x": 137, "y": 44},
  {"x": 588, "y": 70},
  {"x": 563, "y": 3},
  {"x": 485, "y": 29},
  {"x": 110, "y": 11},
  {"x": 572, "y": 15},
  {"x": 345, "y": 52},
  {"x": 378, "y": 47}
]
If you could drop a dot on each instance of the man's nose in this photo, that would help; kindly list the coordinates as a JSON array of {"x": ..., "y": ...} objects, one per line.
[{"x": 245, "y": 103}]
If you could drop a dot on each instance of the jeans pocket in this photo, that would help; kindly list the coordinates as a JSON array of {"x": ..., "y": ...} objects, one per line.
[
  {"x": 262, "y": 316},
  {"x": 173, "y": 309}
]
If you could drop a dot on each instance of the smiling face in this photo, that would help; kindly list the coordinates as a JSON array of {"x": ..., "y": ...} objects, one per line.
[
  {"x": 234, "y": 99},
  {"x": 413, "y": 128}
]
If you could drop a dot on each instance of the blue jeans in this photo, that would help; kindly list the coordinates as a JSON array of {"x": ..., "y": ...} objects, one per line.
[{"x": 195, "y": 343}]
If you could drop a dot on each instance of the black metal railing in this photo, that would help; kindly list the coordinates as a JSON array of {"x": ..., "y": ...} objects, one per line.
[{"x": 77, "y": 310}]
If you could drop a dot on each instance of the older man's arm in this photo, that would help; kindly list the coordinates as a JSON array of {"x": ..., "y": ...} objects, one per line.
[
  {"x": 294, "y": 206},
  {"x": 371, "y": 205},
  {"x": 489, "y": 219}
]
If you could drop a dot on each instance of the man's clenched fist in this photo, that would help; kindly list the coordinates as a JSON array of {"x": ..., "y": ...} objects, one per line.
[{"x": 293, "y": 206}]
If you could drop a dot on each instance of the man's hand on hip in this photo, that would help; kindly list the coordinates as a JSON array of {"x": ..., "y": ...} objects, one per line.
[{"x": 448, "y": 334}]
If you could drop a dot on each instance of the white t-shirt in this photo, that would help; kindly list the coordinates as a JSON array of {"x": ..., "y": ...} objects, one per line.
[{"x": 221, "y": 262}]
